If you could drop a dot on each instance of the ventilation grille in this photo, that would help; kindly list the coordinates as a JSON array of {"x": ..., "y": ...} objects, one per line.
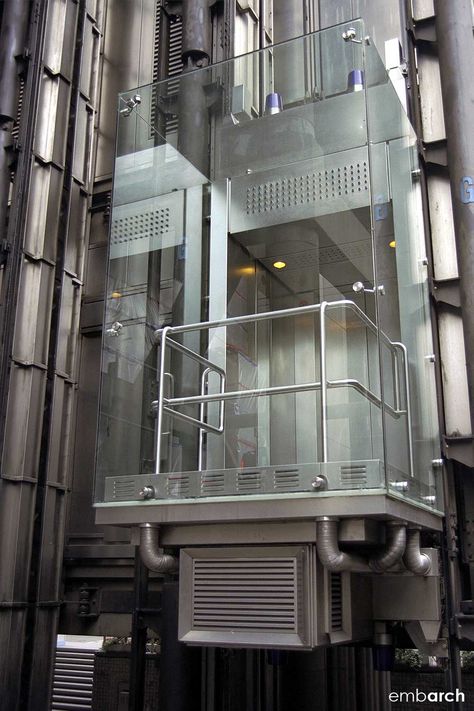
[
  {"x": 353, "y": 475},
  {"x": 287, "y": 479},
  {"x": 249, "y": 481},
  {"x": 213, "y": 483},
  {"x": 245, "y": 594},
  {"x": 123, "y": 489},
  {"x": 178, "y": 485},
  {"x": 174, "y": 68},
  {"x": 141, "y": 226},
  {"x": 295, "y": 191},
  {"x": 73, "y": 679},
  {"x": 335, "y": 608}
]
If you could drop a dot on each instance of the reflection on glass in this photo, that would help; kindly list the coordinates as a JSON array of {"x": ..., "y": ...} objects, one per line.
[{"x": 239, "y": 358}]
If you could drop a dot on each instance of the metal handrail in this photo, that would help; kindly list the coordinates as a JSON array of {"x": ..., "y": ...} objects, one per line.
[{"x": 167, "y": 404}]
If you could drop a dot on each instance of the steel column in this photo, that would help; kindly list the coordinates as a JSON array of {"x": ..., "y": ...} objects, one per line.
[{"x": 456, "y": 59}]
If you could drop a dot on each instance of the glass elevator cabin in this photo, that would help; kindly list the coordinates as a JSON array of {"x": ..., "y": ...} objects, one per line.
[{"x": 267, "y": 352}]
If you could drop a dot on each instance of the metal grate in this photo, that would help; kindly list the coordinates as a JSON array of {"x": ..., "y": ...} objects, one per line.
[
  {"x": 73, "y": 679},
  {"x": 335, "y": 608},
  {"x": 353, "y": 475},
  {"x": 247, "y": 594},
  {"x": 178, "y": 485},
  {"x": 123, "y": 489},
  {"x": 213, "y": 483},
  {"x": 249, "y": 481},
  {"x": 286, "y": 479},
  {"x": 294, "y": 191},
  {"x": 141, "y": 226}
]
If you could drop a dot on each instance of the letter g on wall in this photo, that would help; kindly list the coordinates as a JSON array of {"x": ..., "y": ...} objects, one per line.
[{"x": 467, "y": 190}]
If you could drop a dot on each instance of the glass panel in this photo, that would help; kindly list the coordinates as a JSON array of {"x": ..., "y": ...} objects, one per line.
[
  {"x": 246, "y": 201},
  {"x": 412, "y": 438}
]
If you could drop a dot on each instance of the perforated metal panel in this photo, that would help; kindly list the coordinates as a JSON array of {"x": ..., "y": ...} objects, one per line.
[
  {"x": 254, "y": 596},
  {"x": 306, "y": 189},
  {"x": 155, "y": 223}
]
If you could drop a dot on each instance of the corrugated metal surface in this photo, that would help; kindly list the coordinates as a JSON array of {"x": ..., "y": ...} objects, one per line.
[{"x": 73, "y": 678}]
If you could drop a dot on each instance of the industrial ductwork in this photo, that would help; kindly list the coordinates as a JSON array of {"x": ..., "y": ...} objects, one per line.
[
  {"x": 150, "y": 553},
  {"x": 416, "y": 561},
  {"x": 338, "y": 561}
]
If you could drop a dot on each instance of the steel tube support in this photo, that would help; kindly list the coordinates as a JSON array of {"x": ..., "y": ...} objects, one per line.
[{"x": 456, "y": 59}]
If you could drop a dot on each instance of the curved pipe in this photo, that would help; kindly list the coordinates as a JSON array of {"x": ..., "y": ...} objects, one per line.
[
  {"x": 416, "y": 561},
  {"x": 149, "y": 551},
  {"x": 328, "y": 550},
  {"x": 394, "y": 550}
]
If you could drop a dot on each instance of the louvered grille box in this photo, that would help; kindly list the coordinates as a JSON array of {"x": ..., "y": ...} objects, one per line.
[{"x": 255, "y": 597}]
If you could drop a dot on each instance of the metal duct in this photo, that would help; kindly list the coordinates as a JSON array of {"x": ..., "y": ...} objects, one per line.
[
  {"x": 149, "y": 551},
  {"x": 416, "y": 561},
  {"x": 328, "y": 550},
  {"x": 196, "y": 30},
  {"x": 337, "y": 561},
  {"x": 394, "y": 550}
]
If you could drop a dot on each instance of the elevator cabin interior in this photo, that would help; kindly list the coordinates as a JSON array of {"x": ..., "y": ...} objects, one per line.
[{"x": 267, "y": 348}]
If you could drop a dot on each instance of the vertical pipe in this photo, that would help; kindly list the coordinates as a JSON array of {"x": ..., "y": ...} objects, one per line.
[
  {"x": 324, "y": 384},
  {"x": 139, "y": 634},
  {"x": 456, "y": 59}
]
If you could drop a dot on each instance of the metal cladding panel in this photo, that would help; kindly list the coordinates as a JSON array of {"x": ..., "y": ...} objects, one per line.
[
  {"x": 445, "y": 264},
  {"x": 431, "y": 100},
  {"x": 247, "y": 596},
  {"x": 42, "y": 220},
  {"x": 24, "y": 420},
  {"x": 52, "y": 124},
  {"x": 33, "y": 313},
  {"x": 319, "y": 186},
  {"x": 76, "y": 242},
  {"x": 60, "y": 445},
  {"x": 68, "y": 327}
]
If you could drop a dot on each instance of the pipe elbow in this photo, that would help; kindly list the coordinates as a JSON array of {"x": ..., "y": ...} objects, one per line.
[
  {"x": 150, "y": 552},
  {"x": 330, "y": 556},
  {"x": 416, "y": 561},
  {"x": 394, "y": 550}
]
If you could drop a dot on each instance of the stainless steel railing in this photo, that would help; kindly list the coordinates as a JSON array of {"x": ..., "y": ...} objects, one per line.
[{"x": 168, "y": 405}]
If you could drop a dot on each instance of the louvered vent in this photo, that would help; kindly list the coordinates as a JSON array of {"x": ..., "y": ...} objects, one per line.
[
  {"x": 240, "y": 596},
  {"x": 335, "y": 608},
  {"x": 178, "y": 485},
  {"x": 213, "y": 483},
  {"x": 249, "y": 481},
  {"x": 174, "y": 68},
  {"x": 295, "y": 191},
  {"x": 73, "y": 679},
  {"x": 123, "y": 489},
  {"x": 353, "y": 475},
  {"x": 286, "y": 479}
]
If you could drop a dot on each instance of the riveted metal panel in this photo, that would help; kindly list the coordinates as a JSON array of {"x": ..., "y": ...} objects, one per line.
[
  {"x": 445, "y": 264},
  {"x": 432, "y": 115},
  {"x": 75, "y": 238},
  {"x": 68, "y": 327},
  {"x": 17, "y": 504},
  {"x": 53, "y": 112},
  {"x": 31, "y": 337},
  {"x": 61, "y": 422},
  {"x": 24, "y": 422},
  {"x": 42, "y": 219}
]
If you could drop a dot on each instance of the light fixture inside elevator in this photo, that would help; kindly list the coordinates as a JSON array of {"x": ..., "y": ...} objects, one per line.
[{"x": 279, "y": 264}]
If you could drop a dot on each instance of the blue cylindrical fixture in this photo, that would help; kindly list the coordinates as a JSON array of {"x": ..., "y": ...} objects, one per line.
[
  {"x": 355, "y": 80},
  {"x": 273, "y": 103}
]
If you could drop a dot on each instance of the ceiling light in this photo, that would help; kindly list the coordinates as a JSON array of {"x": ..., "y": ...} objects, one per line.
[
  {"x": 392, "y": 244},
  {"x": 279, "y": 265}
]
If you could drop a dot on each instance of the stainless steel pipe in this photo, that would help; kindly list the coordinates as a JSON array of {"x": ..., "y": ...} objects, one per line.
[{"x": 150, "y": 552}]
